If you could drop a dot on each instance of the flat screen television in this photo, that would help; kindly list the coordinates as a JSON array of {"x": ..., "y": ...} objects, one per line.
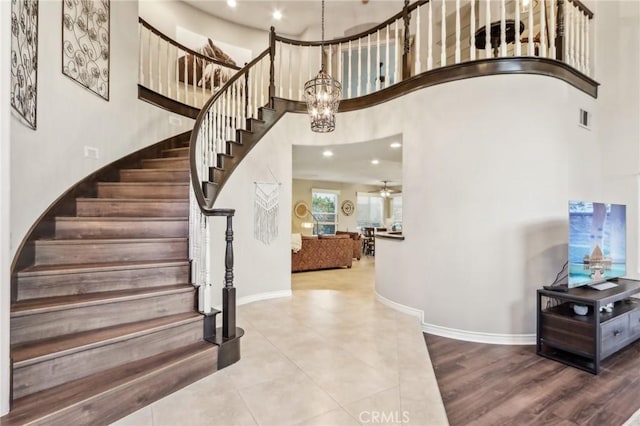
[{"x": 597, "y": 242}]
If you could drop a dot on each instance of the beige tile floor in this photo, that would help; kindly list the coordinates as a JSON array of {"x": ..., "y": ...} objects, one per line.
[{"x": 343, "y": 359}]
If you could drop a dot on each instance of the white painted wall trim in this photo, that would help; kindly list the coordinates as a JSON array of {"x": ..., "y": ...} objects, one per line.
[
  {"x": 401, "y": 308},
  {"x": 479, "y": 337},
  {"x": 263, "y": 296},
  {"x": 452, "y": 333}
]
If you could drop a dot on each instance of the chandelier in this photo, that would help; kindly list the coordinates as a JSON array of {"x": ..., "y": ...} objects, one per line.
[{"x": 322, "y": 95}]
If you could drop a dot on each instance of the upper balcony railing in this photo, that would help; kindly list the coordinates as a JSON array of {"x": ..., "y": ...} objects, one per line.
[
  {"x": 431, "y": 34},
  {"x": 178, "y": 72}
]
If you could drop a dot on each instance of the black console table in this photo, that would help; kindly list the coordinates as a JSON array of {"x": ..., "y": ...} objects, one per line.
[{"x": 583, "y": 341}]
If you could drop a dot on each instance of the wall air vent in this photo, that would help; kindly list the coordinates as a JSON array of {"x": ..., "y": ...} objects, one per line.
[{"x": 585, "y": 119}]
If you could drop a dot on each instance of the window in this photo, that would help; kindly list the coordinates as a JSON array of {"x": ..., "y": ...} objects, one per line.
[
  {"x": 324, "y": 206},
  {"x": 396, "y": 211},
  {"x": 370, "y": 210}
]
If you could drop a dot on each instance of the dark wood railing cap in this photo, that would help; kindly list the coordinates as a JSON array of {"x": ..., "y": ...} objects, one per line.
[{"x": 582, "y": 8}]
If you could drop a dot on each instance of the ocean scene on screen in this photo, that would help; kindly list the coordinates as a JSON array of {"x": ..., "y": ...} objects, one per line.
[{"x": 597, "y": 242}]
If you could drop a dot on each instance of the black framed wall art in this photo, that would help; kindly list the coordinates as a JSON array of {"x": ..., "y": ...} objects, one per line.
[
  {"x": 86, "y": 42},
  {"x": 24, "y": 59}
]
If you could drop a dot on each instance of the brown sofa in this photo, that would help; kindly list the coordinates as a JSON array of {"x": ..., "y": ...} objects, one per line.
[
  {"x": 356, "y": 239},
  {"x": 323, "y": 252}
]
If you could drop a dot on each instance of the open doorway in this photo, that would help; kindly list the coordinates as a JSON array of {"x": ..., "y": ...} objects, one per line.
[{"x": 342, "y": 195}]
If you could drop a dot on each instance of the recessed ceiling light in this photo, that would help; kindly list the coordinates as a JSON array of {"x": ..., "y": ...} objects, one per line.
[
  {"x": 395, "y": 145},
  {"x": 232, "y": 3},
  {"x": 375, "y": 161},
  {"x": 277, "y": 15},
  {"x": 327, "y": 153}
]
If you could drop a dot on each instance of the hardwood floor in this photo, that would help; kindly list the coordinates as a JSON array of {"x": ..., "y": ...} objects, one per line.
[{"x": 510, "y": 385}]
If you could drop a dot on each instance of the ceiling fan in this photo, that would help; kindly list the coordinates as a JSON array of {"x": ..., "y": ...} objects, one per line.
[{"x": 385, "y": 191}]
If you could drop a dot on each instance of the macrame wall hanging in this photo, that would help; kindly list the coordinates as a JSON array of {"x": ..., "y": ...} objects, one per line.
[{"x": 265, "y": 211}]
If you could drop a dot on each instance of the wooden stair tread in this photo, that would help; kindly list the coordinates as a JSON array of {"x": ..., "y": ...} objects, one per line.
[
  {"x": 96, "y": 267},
  {"x": 37, "y": 351},
  {"x": 48, "y": 402},
  {"x": 179, "y": 169},
  {"x": 120, "y": 218},
  {"x": 143, "y": 183},
  {"x": 134, "y": 200},
  {"x": 107, "y": 240},
  {"x": 59, "y": 303}
]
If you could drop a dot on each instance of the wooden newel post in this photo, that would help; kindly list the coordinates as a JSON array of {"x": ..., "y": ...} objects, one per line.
[
  {"x": 560, "y": 31},
  {"x": 272, "y": 67},
  {"x": 229, "y": 291},
  {"x": 406, "y": 69}
]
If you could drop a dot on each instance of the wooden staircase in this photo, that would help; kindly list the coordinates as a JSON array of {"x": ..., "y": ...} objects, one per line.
[{"x": 103, "y": 318}]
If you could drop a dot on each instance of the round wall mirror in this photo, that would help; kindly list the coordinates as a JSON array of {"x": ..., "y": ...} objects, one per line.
[{"x": 301, "y": 209}]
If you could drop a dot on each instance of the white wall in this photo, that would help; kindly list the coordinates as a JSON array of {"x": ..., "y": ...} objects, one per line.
[
  {"x": 5, "y": 259},
  {"x": 301, "y": 191},
  {"x": 485, "y": 203},
  {"x": 167, "y": 15},
  {"x": 617, "y": 114},
  {"x": 70, "y": 117}
]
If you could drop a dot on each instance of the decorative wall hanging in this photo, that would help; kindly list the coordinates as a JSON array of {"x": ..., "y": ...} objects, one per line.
[
  {"x": 348, "y": 208},
  {"x": 85, "y": 44},
  {"x": 266, "y": 211},
  {"x": 24, "y": 59}
]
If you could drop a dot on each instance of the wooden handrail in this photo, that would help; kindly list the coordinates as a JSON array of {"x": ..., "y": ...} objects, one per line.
[
  {"x": 183, "y": 47},
  {"x": 582, "y": 8},
  {"x": 197, "y": 185},
  {"x": 362, "y": 34}
]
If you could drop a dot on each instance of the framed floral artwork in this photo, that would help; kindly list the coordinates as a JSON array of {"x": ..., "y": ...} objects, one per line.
[
  {"x": 24, "y": 59},
  {"x": 85, "y": 44}
]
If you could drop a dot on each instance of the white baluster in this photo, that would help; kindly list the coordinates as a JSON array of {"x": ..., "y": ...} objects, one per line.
[
  {"x": 430, "y": 38},
  {"x": 457, "y": 52},
  {"x": 370, "y": 83},
  {"x": 518, "y": 50},
  {"x": 204, "y": 83},
  {"x": 503, "y": 29},
  {"x": 472, "y": 32},
  {"x": 186, "y": 79},
  {"x": 487, "y": 27},
  {"x": 150, "y": 68},
  {"x": 531, "y": 43},
  {"x": 169, "y": 68},
  {"x": 177, "y": 73},
  {"x": 159, "y": 45},
  {"x": 587, "y": 64},
  {"x": 300, "y": 84},
  {"x": 377, "y": 60},
  {"x": 194, "y": 85},
  {"x": 340, "y": 73},
  {"x": 443, "y": 35},
  {"x": 418, "y": 64},
  {"x": 386, "y": 59},
  {"x": 350, "y": 91},
  {"x": 574, "y": 36},
  {"x": 140, "y": 55},
  {"x": 567, "y": 34},
  {"x": 280, "y": 70},
  {"x": 359, "y": 66},
  {"x": 289, "y": 49},
  {"x": 583, "y": 44},
  {"x": 396, "y": 69},
  {"x": 552, "y": 29},
  {"x": 262, "y": 65},
  {"x": 543, "y": 30}
]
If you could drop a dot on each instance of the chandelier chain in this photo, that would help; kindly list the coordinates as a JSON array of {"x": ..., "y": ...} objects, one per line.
[{"x": 322, "y": 44}]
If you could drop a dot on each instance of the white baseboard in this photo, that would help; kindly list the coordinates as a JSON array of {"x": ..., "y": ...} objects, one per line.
[
  {"x": 401, "y": 308},
  {"x": 480, "y": 337},
  {"x": 263, "y": 296},
  {"x": 453, "y": 333}
]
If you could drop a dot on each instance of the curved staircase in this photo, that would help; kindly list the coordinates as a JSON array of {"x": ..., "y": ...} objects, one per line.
[{"x": 104, "y": 318}]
